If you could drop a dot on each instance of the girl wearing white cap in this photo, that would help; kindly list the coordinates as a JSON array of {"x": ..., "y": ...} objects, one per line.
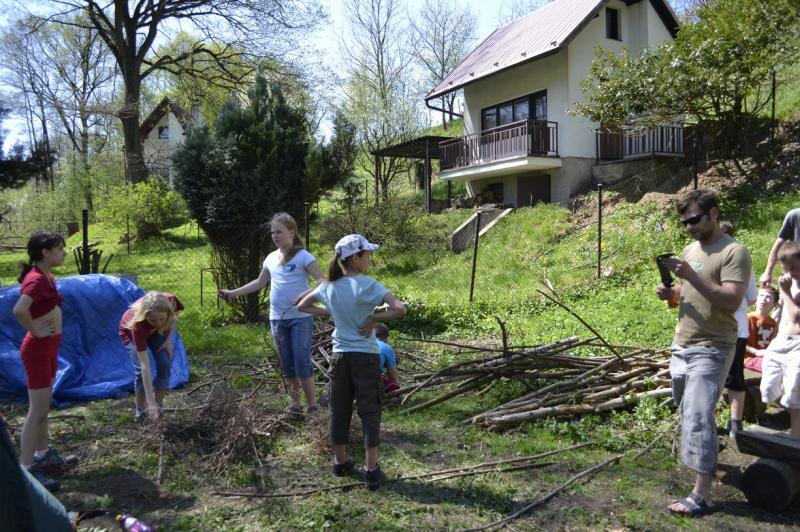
[{"x": 350, "y": 297}]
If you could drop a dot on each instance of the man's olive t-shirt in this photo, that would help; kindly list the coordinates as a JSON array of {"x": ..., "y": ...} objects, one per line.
[{"x": 700, "y": 323}]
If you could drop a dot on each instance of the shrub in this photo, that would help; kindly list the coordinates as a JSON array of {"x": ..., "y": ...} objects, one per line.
[{"x": 151, "y": 205}]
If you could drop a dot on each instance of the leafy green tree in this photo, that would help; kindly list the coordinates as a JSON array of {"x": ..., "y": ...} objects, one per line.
[
  {"x": 328, "y": 165},
  {"x": 18, "y": 167},
  {"x": 150, "y": 207},
  {"x": 717, "y": 70},
  {"x": 236, "y": 177},
  {"x": 230, "y": 30}
]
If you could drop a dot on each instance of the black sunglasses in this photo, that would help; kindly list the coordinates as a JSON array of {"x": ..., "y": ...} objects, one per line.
[{"x": 694, "y": 219}]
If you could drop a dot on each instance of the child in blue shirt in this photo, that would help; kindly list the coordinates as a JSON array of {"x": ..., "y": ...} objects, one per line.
[
  {"x": 350, "y": 298},
  {"x": 388, "y": 359}
]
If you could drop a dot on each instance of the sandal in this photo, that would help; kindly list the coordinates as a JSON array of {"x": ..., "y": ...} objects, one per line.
[
  {"x": 312, "y": 413},
  {"x": 695, "y": 505}
]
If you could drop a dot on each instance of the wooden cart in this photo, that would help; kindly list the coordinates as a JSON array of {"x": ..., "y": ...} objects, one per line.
[{"x": 772, "y": 481}]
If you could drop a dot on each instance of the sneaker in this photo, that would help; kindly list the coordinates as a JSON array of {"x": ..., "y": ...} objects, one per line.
[
  {"x": 343, "y": 469},
  {"x": 733, "y": 426},
  {"x": 295, "y": 411},
  {"x": 36, "y": 472},
  {"x": 53, "y": 461},
  {"x": 373, "y": 477}
]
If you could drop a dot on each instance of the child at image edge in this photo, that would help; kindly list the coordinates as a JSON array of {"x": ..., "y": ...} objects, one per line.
[
  {"x": 780, "y": 375},
  {"x": 39, "y": 311},
  {"x": 350, "y": 298},
  {"x": 147, "y": 328}
]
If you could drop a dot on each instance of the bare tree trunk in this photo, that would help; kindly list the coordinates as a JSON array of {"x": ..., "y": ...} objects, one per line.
[{"x": 135, "y": 169}]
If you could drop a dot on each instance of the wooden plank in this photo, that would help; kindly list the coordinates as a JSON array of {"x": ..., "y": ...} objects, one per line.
[{"x": 760, "y": 441}]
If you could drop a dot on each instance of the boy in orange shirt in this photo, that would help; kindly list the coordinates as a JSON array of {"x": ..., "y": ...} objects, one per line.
[{"x": 762, "y": 328}]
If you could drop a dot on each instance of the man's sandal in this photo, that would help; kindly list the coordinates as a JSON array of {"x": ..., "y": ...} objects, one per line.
[{"x": 695, "y": 505}]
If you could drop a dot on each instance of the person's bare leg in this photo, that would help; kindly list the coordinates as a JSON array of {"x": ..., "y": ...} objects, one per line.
[
  {"x": 141, "y": 401},
  {"x": 371, "y": 459},
  {"x": 309, "y": 391},
  {"x": 737, "y": 404},
  {"x": 702, "y": 487},
  {"x": 794, "y": 416},
  {"x": 340, "y": 452},
  {"x": 294, "y": 390},
  {"x": 34, "y": 435},
  {"x": 160, "y": 394}
]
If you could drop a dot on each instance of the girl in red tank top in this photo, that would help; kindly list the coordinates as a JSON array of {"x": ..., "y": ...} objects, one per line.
[{"x": 39, "y": 311}]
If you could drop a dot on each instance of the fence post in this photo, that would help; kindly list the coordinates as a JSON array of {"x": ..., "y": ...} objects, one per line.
[
  {"x": 308, "y": 231},
  {"x": 694, "y": 159},
  {"x": 201, "y": 287},
  {"x": 85, "y": 258},
  {"x": 128, "y": 231},
  {"x": 475, "y": 254},
  {"x": 599, "y": 228}
]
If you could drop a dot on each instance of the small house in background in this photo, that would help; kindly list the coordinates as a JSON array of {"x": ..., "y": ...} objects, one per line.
[
  {"x": 163, "y": 132},
  {"x": 521, "y": 146}
]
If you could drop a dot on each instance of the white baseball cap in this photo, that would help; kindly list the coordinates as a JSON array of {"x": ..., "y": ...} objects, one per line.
[{"x": 352, "y": 244}]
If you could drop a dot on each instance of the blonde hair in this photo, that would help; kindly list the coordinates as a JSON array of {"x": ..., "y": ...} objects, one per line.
[
  {"x": 152, "y": 302},
  {"x": 286, "y": 220}
]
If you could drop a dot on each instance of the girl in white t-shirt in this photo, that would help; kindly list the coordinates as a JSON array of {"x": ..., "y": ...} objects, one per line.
[{"x": 287, "y": 270}]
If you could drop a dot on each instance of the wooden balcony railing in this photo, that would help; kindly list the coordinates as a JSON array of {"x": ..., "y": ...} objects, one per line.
[
  {"x": 518, "y": 139},
  {"x": 637, "y": 142}
]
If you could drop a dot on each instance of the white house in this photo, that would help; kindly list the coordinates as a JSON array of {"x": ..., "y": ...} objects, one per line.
[
  {"x": 520, "y": 144},
  {"x": 162, "y": 133}
]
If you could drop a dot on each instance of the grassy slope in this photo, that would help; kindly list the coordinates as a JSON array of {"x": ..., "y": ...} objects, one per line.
[{"x": 513, "y": 258}]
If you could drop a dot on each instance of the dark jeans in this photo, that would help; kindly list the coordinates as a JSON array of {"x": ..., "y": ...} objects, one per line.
[
  {"x": 735, "y": 379},
  {"x": 24, "y": 503},
  {"x": 356, "y": 376}
]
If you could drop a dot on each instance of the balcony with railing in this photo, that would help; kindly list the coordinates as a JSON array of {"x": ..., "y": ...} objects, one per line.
[
  {"x": 627, "y": 143},
  {"x": 526, "y": 138}
]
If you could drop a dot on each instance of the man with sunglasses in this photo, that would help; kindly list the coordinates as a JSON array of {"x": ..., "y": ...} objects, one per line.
[{"x": 713, "y": 271}]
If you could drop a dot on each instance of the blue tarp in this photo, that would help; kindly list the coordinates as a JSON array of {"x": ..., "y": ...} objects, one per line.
[{"x": 92, "y": 362}]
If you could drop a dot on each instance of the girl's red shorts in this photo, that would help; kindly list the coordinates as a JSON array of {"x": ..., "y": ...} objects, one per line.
[{"x": 40, "y": 358}]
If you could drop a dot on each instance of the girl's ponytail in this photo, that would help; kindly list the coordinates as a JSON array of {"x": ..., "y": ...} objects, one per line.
[
  {"x": 25, "y": 268},
  {"x": 37, "y": 243},
  {"x": 335, "y": 270}
]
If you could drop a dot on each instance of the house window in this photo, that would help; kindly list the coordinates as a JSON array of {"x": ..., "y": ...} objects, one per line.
[
  {"x": 612, "y": 24},
  {"x": 533, "y": 106},
  {"x": 163, "y": 132}
]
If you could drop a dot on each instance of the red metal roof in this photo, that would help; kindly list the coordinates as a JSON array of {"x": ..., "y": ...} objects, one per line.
[{"x": 537, "y": 34}]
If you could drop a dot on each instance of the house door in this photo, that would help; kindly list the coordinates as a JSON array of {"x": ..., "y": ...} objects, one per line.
[
  {"x": 533, "y": 189},
  {"x": 539, "y": 133},
  {"x": 610, "y": 144}
]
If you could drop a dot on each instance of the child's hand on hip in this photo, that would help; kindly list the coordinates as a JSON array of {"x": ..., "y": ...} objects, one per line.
[{"x": 366, "y": 329}]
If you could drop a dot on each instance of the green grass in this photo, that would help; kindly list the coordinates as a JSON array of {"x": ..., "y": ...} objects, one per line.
[{"x": 514, "y": 258}]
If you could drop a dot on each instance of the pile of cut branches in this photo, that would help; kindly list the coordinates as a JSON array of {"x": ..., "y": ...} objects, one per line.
[{"x": 559, "y": 382}]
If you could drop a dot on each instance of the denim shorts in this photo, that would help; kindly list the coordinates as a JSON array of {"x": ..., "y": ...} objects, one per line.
[
  {"x": 293, "y": 343},
  {"x": 160, "y": 363}
]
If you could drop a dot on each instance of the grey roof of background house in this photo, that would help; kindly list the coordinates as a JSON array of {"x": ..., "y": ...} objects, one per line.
[{"x": 533, "y": 36}]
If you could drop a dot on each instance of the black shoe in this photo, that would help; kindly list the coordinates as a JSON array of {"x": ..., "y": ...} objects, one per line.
[
  {"x": 343, "y": 469},
  {"x": 733, "y": 426},
  {"x": 50, "y": 484},
  {"x": 373, "y": 477},
  {"x": 52, "y": 462}
]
